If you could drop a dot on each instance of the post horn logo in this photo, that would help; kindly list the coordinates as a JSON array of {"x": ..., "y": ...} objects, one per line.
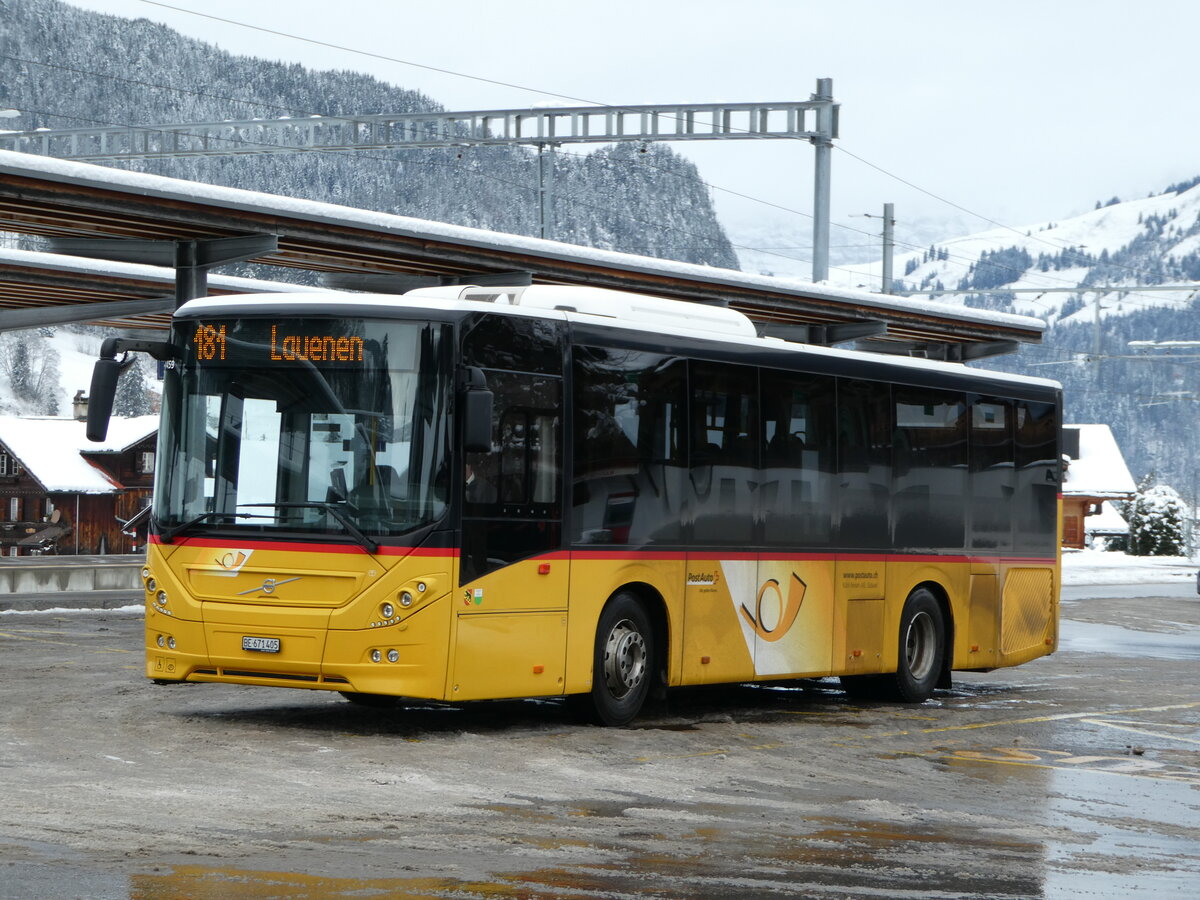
[
  {"x": 788, "y": 610},
  {"x": 232, "y": 561}
]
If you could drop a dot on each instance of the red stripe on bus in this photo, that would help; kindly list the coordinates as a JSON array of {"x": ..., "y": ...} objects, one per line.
[
  {"x": 302, "y": 547},
  {"x": 630, "y": 554}
]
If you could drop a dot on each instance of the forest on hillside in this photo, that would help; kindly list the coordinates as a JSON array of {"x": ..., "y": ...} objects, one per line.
[{"x": 65, "y": 67}]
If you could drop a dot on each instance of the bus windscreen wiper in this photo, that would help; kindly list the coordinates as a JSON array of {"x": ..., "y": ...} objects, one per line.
[
  {"x": 167, "y": 535},
  {"x": 345, "y": 521}
]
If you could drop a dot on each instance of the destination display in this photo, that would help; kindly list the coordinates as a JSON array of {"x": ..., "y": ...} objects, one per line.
[{"x": 281, "y": 343}]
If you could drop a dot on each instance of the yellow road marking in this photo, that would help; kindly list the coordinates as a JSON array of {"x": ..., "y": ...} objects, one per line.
[
  {"x": 24, "y": 636},
  {"x": 1073, "y": 764},
  {"x": 33, "y": 640},
  {"x": 1088, "y": 717},
  {"x": 1141, "y": 731},
  {"x": 1034, "y": 720}
]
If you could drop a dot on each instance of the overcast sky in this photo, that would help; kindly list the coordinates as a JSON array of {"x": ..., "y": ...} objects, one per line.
[{"x": 1021, "y": 112}]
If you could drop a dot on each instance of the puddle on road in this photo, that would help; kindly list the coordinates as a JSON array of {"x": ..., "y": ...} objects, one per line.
[
  {"x": 1089, "y": 833},
  {"x": 203, "y": 883},
  {"x": 1090, "y": 637},
  {"x": 1100, "y": 838}
]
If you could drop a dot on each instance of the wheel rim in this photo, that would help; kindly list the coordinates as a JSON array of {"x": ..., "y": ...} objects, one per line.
[
  {"x": 624, "y": 659},
  {"x": 919, "y": 646}
]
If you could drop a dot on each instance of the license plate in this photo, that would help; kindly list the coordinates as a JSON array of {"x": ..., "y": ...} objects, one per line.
[{"x": 261, "y": 644}]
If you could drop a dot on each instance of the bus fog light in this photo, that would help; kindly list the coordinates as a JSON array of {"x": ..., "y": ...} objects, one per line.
[
  {"x": 161, "y": 597},
  {"x": 151, "y": 585},
  {"x": 171, "y": 643},
  {"x": 376, "y": 656},
  {"x": 162, "y": 641},
  {"x": 388, "y": 610},
  {"x": 405, "y": 599},
  {"x": 393, "y": 656}
]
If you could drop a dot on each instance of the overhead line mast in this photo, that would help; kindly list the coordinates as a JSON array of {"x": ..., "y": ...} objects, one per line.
[{"x": 814, "y": 120}]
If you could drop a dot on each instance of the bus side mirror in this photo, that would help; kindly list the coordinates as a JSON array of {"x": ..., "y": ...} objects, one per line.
[
  {"x": 100, "y": 400},
  {"x": 477, "y": 421},
  {"x": 106, "y": 372},
  {"x": 476, "y": 410}
]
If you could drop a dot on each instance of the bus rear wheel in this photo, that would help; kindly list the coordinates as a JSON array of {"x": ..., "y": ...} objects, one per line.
[
  {"x": 922, "y": 648},
  {"x": 623, "y": 664}
]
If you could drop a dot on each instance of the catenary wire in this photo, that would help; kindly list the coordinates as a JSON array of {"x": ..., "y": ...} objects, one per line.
[{"x": 443, "y": 70}]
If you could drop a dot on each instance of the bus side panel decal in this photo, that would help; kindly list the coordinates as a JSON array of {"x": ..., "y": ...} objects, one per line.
[{"x": 789, "y": 611}]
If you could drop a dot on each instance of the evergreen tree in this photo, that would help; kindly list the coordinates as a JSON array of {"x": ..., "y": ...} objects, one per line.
[
  {"x": 19, "y": 375},
  {"x": 652, "y": 203},
  {"x": 1156, "y": 520},
  {"x": 132, "y": 397},
  {"x": 31, "y": 364}
]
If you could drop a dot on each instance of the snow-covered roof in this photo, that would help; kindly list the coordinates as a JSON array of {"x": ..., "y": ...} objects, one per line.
[
  {"x": 50, "y": 449},
  {"x": 1107, "y": 521},
  {"x": 1100, "y": 470},
  {"x": 421, "y": 229},
  {"x": 123, "y": 433}
]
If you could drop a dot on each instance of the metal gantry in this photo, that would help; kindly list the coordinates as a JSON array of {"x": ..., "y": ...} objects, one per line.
[{"x": 814, "y": 120}]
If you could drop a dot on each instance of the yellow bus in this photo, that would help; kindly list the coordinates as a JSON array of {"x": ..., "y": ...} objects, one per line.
[{"x": 467, "y": 493}]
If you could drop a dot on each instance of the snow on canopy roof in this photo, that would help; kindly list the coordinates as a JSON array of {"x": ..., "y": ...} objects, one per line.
[
  {"x": 50, "y": 449},
  {"x": 79, "y": 265},
  {"x": 1100, "y": 470},
  {"x": 423, "y": 229}
]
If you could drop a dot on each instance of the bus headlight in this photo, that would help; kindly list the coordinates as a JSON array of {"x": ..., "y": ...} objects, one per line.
[
  {"x": 161, "y": 597},
  {"x": 151, "y": 585},
  {"x": 405, "y": 599},
  {"x": 388, "y": 610}
]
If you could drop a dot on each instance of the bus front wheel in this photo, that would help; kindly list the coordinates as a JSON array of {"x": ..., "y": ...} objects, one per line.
[{"x": 623, "y": 665}]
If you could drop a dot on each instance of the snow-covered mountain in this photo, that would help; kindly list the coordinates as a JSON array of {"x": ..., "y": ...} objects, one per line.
[
  {"x": 1149, "y": 241},
  {"x": 1150, "y": 398}
]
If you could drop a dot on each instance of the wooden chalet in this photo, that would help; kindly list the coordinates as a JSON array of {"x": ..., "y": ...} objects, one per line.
[
  {"x": 1096, "y": 472},
  {"x": 61, "y": 494}
]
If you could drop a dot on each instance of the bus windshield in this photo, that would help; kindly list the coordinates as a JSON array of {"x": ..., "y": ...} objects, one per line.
[{"x": 315, "y": 425}]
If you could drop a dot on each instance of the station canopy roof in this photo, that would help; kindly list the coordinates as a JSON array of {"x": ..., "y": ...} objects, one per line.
[{"x": 61, "y": 199}]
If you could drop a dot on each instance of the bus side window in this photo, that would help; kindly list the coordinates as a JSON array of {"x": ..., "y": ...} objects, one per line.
[
  {"x": 629, "y": 410},
  {"x": 797, "y": 493},
  {"x": 1038, "y": 477},
  {"x": 514, "y": 343},
  {"x": 929, "y": 468},
  {"x": 864, "y": 410},
  {"x": 991, "y": 474},
  {"x": 724, "y": 453}
]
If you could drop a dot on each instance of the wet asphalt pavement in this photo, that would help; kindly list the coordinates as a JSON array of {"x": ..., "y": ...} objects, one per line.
[{"x": 1077, "y": 775}]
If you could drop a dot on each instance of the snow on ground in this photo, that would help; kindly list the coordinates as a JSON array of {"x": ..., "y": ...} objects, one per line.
[
  {"x": 1086, "y": 567},
  {"x": 136, "y": 608}
]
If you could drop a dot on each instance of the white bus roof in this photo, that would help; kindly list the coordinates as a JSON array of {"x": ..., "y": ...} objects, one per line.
[{"x": 597, "y": 306}]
